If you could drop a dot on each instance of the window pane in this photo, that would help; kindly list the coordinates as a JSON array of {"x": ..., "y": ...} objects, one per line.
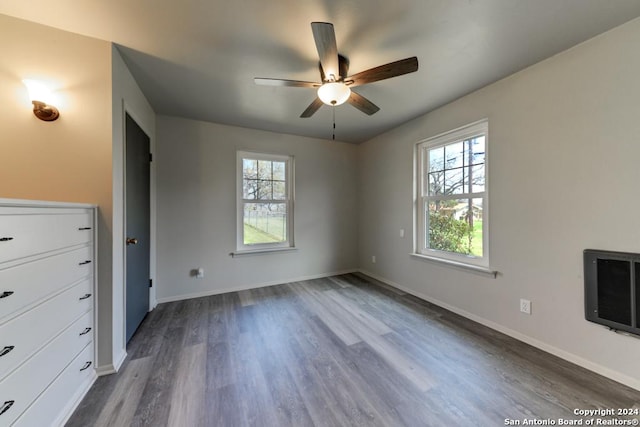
[
  {"x": 454, "y": 181},
  {"x": 436, "y": 183},
  {"x": 455, "y": 226},
  {"x": 436, "y": 159},
  {"x": 279, "y": 190},
  {"x": 249, "y": 188},
  {"x": 478, "y": 149},
  {"x": 264, "y": 223},
  {"x": 467, "y": 174},
  {"x": 264, "y": 190},
  {"x": 477, "y": 178},
  {"x": 454, "y": 155},
  {"x": 264, "y": 169},
  {"x": 452, "y": 168},
  {"x": 279, "y": 171},
  {"x": 476, "y": 225},
  {"x": 250, "y": 168},
  {"x": 264, "y": 179}
]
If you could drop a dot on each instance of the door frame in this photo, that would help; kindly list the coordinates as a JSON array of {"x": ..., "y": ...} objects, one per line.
[
  {"x": 121, "y": 281},
  {"x": 147, "y": 289}
]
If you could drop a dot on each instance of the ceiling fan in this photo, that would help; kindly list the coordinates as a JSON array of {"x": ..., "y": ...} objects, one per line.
[{"x": 336, "y": 85}]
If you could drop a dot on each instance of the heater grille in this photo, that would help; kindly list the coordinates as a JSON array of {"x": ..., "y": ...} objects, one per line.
[{"x": 611, "y": 288}]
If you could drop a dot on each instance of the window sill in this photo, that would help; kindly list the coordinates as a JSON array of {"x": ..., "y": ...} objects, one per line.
[
  {"x": 261, "y": 251},
  {"x": 458, "y": 265}
]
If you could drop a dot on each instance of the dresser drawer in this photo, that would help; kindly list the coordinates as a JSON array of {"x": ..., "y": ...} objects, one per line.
[
  {"x": 26, "y": 235},
  {"x": 23, "y": 335},
  {"x": 63, "y": 395},
  {"x": 26, "y": 383},
  {"x": 28, "y": 283}
]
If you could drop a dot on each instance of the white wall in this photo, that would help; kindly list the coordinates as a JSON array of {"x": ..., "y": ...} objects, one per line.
[
  {"x": 196, "y": 201},
  {"x": 564, "y": 153},
  {"x": 127, "y": 98}
]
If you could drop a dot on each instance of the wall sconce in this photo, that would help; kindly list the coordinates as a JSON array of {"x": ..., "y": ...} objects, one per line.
[{"x": 40, "y": 95}]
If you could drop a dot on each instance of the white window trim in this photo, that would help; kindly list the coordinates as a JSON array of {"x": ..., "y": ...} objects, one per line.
[
  {"x": 266, "y": 248},
  {"x": 450, "y": 258}
]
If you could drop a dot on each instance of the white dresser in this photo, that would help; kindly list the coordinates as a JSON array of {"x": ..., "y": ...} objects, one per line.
[{"x": 47, "y": 315}]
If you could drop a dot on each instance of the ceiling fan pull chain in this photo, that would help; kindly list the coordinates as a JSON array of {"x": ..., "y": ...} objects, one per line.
[{"x": 333, "y": 109}]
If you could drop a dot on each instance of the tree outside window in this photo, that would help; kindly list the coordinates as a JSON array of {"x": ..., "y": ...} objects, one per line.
[
  {"x": 452, "y": 195},
  {"x": 264, "y": 201}
]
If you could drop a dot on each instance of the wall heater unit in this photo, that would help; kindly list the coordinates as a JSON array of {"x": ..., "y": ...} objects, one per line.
[{"x": 612, "y": 289}]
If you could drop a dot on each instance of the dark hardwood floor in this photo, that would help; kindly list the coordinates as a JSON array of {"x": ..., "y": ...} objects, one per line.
[{"x": 339, "y": 351}]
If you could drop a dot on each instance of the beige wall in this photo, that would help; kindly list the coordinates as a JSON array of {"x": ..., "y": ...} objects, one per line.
[
  {"x": 69, "y": 159},
  {"x": 564, "y": 176}
]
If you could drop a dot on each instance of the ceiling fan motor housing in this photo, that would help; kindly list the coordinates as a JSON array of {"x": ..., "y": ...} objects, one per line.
[{"x": 343, "y": 64}]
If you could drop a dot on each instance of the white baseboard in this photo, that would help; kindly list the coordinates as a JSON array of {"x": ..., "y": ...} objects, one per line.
[
  {"x": 120, "y": 360},
  {"x": 73, "y": 403},
  {"x": 250, "y": 286},
  {"x": 112, "y": 368},
  {"x": 105, "y": 370},
  {"x": 587, "y": 364}
]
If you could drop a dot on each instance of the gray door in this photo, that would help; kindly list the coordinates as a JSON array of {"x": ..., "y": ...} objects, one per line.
[{"x": 137, "y": 225}]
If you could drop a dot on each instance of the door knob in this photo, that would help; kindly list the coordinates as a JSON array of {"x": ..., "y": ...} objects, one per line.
[{"x": 132, "y": 241}]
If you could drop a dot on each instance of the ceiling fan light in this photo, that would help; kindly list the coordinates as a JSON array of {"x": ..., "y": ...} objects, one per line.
[{"x": 334, "y": 93}]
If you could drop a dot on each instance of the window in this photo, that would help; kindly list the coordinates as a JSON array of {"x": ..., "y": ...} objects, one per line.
[
  {"x": 265, "y": 208},
  {"x": 452, "y": 196}
]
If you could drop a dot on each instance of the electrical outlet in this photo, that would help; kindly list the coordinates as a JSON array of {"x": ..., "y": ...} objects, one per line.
[
  {"x": 402, "y": 233},
  {"x": 373, "y": 259},
  {"x": 525, "y": 306},
  {"x": 200, "y": 273}
]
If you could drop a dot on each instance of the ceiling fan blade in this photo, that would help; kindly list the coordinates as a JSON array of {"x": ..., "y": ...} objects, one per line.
[
  {"x": 362, "y": 103},
  {"x": 312, "y": 108},
  {"x": 280, "y": 82},
  {"x": 325, "y": 38},
  {"x": 387, "y": 71}
]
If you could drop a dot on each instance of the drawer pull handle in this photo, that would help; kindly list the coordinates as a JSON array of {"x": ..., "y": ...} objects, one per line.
[
  {"x": 5, "y": 239},
  {"x": 85, "y": 296},
  {"x": 85, "y": 332},
  {"x": 84, "y": 228},
  {"x": 85, "y": 367},
  {"x": 6, "y": 294},
  {"x": 6, "y": 350},
  {"x": 6, "y": 405},
  {"x": 85, "y": 262}
]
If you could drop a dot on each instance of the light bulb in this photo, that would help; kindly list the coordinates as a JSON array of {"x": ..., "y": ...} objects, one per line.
[{"x": 38, "y": 91}]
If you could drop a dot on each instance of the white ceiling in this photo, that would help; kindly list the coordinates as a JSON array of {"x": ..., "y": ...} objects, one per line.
[{"x": 197, "y": 58}]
